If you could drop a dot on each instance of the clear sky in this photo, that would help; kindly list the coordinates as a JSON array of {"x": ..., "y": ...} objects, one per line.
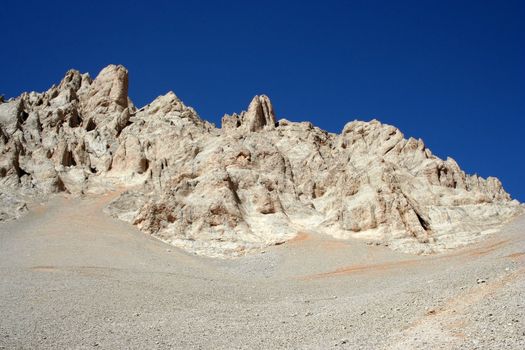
[{"x": 449, "y": 72}]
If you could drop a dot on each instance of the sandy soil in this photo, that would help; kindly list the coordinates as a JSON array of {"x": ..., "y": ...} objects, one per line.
[{"x": 74, "y": 278}]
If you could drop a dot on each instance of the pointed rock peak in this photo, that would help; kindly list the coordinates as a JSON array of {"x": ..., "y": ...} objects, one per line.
[
  {"x": 172, "y": 95},
  {"x": 261, "y": 101},
  {"x": 169, "y": 99},
  {"x": 260, "y": 114},
  {"x": 73, "y": 79},
  {"x": 112, "y": 82},
  {"x": 170, "y": 106},
  {"x": 113, "y": 70}
]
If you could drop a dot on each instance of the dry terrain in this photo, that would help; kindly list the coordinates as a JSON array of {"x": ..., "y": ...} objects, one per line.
[{"x": 73, "y": 277}]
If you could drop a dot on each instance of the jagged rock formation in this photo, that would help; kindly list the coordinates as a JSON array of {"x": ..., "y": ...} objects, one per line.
[
  {"x": 251, "y": 183},
  {"x": 260, "y": 116}
]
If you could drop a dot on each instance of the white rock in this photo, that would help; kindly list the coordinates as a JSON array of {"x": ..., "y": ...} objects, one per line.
[{"x": 251, "y": 183}]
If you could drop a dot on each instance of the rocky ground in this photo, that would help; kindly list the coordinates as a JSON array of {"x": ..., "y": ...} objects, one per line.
[
  {"x": 73, "y": 277},
  {"x": 255, "y": 181}
]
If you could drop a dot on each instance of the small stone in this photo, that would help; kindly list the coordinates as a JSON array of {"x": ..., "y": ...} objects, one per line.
[{"x": 431, "y": 312}]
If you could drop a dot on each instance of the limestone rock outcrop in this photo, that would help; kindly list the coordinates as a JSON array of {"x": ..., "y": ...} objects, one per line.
[
  {"x": 251, "y": 183},
  {"x": 260, "y": 116}
]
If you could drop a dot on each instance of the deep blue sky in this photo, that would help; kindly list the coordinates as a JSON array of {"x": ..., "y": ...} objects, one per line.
[{"x": 449, "y": 72}]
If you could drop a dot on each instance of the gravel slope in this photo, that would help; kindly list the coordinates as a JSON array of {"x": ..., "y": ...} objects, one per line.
[{"x": 74, "y": 278}]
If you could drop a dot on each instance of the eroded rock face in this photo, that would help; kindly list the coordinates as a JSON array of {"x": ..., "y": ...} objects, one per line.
[
  {"x": 55, "y": 141},
  {"x": 260, "y": 116},
  {"x": 254, "y": 182}
]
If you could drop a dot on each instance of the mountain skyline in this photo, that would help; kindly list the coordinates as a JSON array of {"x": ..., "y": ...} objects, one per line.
[{"x": 447, "y": 73}]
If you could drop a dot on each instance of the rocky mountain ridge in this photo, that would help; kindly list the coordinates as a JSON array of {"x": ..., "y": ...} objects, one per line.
[{"x": 253, "y": 182}]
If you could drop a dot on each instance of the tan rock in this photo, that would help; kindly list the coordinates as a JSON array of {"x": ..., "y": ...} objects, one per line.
[
  {"x": 260, "y": 115},
  {"x": 254, "y": 182}
]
